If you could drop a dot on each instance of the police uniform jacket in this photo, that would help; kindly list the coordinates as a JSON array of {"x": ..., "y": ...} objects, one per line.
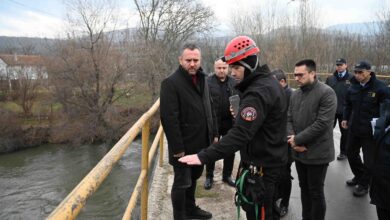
[
  {"x": 258, "y": 129},
  {"x": 310, "y": 118},
  {"x": 340, "y": 85},
  {"x": 220, "y": 93},
  {"x": 362, "y": 104},
  {"x": 186, "y": 113}
]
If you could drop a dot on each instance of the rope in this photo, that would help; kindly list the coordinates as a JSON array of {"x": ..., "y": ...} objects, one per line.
[{"x": 241, "y": 198}]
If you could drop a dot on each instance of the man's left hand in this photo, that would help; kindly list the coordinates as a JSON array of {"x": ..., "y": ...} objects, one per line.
[
  {"x": 299, "y": 149},
  {"x": 192, "y": 159}
]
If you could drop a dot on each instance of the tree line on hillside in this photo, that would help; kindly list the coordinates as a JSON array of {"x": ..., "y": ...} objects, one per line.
[{"x": 95, "y": 71}]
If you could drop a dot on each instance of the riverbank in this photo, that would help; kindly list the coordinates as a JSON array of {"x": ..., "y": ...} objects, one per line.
[{"x": 23, "y": 138}]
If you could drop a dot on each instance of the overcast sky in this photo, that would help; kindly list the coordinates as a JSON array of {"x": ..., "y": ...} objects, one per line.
[{"x": 45, "y": 18}]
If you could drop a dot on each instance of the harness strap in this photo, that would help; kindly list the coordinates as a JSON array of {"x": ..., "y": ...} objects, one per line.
[{"x": 240, "y": 197}]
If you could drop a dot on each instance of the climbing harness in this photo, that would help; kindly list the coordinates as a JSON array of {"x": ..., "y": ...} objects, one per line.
[{"x": 245, "y": 177}]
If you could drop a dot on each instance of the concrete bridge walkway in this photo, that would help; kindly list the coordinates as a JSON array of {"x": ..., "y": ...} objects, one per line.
[{"x": 341, "y": 204}]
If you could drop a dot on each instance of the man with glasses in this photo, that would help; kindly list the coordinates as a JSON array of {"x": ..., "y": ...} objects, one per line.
[
  {"x": 340, "y": 82},
  {"x": 362, "y": 104},
  {"x": 310, "y": 129}
]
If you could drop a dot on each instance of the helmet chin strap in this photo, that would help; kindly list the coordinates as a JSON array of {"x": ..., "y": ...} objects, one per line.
[{"x": 248, "y": 67}]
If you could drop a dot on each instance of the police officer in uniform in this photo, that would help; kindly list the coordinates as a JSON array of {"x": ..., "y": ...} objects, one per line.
[
  {"x": 340, "y": 82},
  {"x": 257, "y": 132},
  {"x": 362, "y": 104}
]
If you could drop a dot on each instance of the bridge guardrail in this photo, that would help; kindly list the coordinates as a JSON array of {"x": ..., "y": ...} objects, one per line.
[{"x": 71, "y": 206}]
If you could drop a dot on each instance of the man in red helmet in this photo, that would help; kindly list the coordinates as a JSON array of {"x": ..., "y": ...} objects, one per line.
[{"x": 259, "y": 132}]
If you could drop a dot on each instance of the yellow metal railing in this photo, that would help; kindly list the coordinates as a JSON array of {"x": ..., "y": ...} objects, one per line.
[{"x": 70, "y": 207}]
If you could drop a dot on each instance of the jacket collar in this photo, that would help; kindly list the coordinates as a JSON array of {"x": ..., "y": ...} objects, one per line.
[
  {"x": 215, "y": 77},
  {"x": 368, "y": 84},
  {"x": 309, "y": 87},
  {"x": 260, "y": 71},
  {"x": 336, "y": 74},
  {"x": 188, "y": 77}
]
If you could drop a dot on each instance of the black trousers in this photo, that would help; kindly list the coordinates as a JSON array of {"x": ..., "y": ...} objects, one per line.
[
  {"x": 360, "y": 171},
  {"x": 285, "y": 185},
  {"x": 311, "y": 181},
  {"x": 228, "y": 163},
  {"x": 383, "y": 214},
  {"x": 183, "y": 189},
  {"x": 344, "y": 134},
  {"x": 271, "y": 180}
]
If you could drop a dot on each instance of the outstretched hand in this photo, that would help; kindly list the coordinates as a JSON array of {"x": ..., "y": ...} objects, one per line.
[{"x": 192, "y": 159}]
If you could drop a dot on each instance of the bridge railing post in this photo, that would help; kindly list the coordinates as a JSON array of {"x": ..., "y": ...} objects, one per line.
[
  {"x": 161, "y": 149},
  {"x": 144, "y": 166}
]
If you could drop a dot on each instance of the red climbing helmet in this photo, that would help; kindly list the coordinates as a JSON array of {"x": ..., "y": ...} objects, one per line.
[{"x": 239, "y": 48}]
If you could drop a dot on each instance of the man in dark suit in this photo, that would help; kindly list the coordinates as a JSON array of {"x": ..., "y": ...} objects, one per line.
[
  {"x": 187, "y": 119},
  {"x": 221, "y": 88}
]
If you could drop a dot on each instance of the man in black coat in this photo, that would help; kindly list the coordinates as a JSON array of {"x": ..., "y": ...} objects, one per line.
[
  {"x": 187, "y": 119},
  {"x": 256, "y": 132},
  {"x": 362, "y": 104},
  {"x": 221, "y": 88},
  {"x": 340, "y": 82},
  {"x": 380, "y": 190}
]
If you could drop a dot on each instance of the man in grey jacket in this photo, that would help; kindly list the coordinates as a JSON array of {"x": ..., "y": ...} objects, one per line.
[{"x": 310, "y": 129}]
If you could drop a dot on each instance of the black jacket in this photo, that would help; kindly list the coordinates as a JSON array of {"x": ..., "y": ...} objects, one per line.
[
  {"x": 340, "y": 87},
  {"x": 186, "y": 113},
  {"x": 220, "y": 93},
  {"x": 257, "y": 131},
  {"x": 380, "y": 190},
  {"x": 362, "y": 104}
]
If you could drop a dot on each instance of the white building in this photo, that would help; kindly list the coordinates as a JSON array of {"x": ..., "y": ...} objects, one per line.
[{"x": 13, "y": 67}]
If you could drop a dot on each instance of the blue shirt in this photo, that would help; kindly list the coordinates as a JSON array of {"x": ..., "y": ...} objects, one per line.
[{"x": 342, "y": 74}]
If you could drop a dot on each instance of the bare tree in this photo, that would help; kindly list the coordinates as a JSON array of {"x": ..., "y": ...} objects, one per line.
[
  {"x": 90, "y": 68},
  {"x": 28, "y": 80},
  {"x": 381, "y": 42},
  {"x": 164, "y": 26},
  {"x": 172, "y": 21}
]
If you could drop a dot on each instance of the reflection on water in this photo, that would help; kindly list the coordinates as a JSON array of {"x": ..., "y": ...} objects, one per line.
[{"x": 34, "y": 181}]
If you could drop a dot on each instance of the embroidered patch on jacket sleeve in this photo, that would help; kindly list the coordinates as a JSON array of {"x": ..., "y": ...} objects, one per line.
[{"x": 248, "y": 114}]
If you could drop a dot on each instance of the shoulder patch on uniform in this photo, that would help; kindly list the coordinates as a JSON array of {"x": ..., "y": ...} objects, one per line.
[{"x": 248, "y": 114}]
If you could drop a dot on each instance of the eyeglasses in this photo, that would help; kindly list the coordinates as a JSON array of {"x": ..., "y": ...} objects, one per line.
[{"x": 299, "y": 75}]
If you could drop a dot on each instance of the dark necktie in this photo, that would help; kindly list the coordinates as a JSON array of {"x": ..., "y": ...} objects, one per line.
[{"x": 193, "y": 79}]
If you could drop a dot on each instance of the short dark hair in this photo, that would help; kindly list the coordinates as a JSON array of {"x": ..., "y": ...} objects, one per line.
[
  {"x": 190, "y": 46},
  {"x": 279, "y": 74},
  {"x": 310, "y": 64}
]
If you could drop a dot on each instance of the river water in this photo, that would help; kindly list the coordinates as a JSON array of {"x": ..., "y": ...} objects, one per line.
[{"x": 34, "y": 181}]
